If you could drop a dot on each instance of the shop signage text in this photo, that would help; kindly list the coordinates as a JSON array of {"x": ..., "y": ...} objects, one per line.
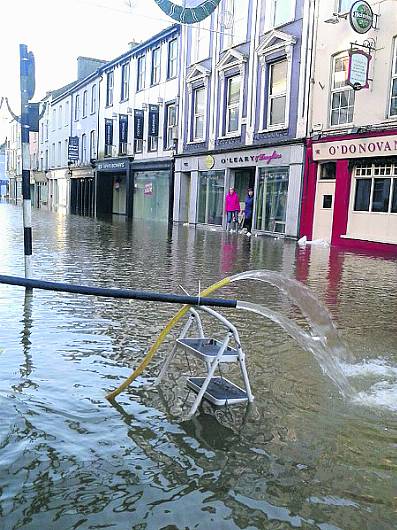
[
  {"x": 73, "y": 148},
  {"x": 357, "y": 76},
  {"x": 138, "y": 124},
  {"x": 261, "y": 157},
  {"x": 111, "y": 166},
  {"x": 358, "y": 148},
  {"x": 148, "y": 189},
  {"x": 361, "y": 17}
]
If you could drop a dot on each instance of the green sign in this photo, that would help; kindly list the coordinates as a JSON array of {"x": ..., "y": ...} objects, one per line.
[
  {"x": 197, "y": 11},
  {"x": 361, "y": 17}
]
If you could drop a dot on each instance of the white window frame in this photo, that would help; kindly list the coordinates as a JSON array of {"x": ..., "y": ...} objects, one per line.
[
  {"x": 59, "y": 154},
  {"x": 368, "y": 171},
  {"x": 291, "y": 17},
  {"x": 200, "y": 40},
  {"x": 93, "y": 99},
  {"x": 92, "y": 144},
  {"x": 125, "y": 81},
  {"x": 141, "y": 73},
  {"x": 156, "y": 67},
  {"x": 344, "y": 88},
  {"x": 85, "y": 104},
  {"x": 195, "y": 115},
  {"x": 83, "y": 149},
  {"x": 60, "y": 111},
  {"x": 343, "y": 11},
  {"x": 153, "y": 144},
  {"x": 66, "y": 154},
  {"x": 228, "y": 107},
  {"x": 67, "y": 113},
  {"x": 271, "y": 97},
  {"x": 54, "y": 119},
  {"x": 172, "y": 63},
  {"x": 393, "y": 77},
  {"x": 169, "y": 142},
  {"x": 109, "y": 88},
  {"x": 77, "y": 107}
]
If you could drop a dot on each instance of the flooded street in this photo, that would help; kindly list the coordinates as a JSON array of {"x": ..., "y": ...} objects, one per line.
[{"x": 300, "y": 457}]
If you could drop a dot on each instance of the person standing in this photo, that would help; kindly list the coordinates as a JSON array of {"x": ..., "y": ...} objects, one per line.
[
  {"x": 249, "y": 206},
  {"x": 232, "y": 207}
]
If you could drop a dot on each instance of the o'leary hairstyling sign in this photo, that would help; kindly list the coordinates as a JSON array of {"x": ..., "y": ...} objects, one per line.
[
  {"x": 188, "y": 11},
  {"x": 361, "y": 17},
  {"x": 357, "y": 76}
]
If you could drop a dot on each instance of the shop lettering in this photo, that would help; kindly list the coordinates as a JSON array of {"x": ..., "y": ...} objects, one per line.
[
  {"x": 362, "y": 148},
  {"x": 252, "y": 158}
]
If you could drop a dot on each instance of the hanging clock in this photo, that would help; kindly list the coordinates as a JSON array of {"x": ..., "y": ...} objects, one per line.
[{"x": 197, "y": 11}]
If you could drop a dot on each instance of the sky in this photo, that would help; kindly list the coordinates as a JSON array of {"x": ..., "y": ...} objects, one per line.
[{"x": 58, "y": 31}]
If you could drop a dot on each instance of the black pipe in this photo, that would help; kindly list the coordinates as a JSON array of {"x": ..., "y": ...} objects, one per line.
[{"x": 117, "y": 293}]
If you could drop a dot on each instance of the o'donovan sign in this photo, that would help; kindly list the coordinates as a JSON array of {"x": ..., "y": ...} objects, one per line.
[{"x": 357, "y": 148}]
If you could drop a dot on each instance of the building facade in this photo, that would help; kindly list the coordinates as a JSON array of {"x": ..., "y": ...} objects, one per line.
[
  {"x": 137, "y": 129},
  {"x": 243, "y": 113},
  {"x": 13, "y": 161},
  {"x": 350, "y": 190},
  {"x": 4, "y": 182}
]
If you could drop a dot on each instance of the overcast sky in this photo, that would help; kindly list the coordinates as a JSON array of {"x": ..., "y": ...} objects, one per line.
[{"x": 58, "y": 31}]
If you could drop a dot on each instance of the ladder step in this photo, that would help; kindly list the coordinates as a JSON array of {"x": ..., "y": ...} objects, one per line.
[
  {"x": 220, "y": 391},
  {"x": 207, "y": 349}
]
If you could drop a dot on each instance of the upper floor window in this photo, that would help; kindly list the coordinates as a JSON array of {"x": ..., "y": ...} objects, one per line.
[
  {"x": 393, "y": 92},
  {"x": 172, "y": 58},
  {"x": 235, "y": 22},
  {"x": 342, "y": 95},
  {"x": 92, "y": 144},
  {"x": 77, "y": 107},
  {"x": 345, "y": 5},
  {"x": 60, "y": 112},
  {"x": 233, "y": 104},
  {"x": 200, "y": 40},
  {"x": 155, "y": 66},
  {"x": 67, "y": 111},
  {"x": 140, "y": 84},
  {"x": 125, "y": 81},
  {"x": 93, "y": 99},
  {"x": 109, "y": 88},
  {"x": 283, "y": 11},
  {"x": 54, "y": 118},
  {"x": 277, "y": 93},
  {"x": 84, "y": 149},
  {"x": 170, "y": 124},
  {"x": 199, "y": 113},
  {"x": 85, "y": 102}
]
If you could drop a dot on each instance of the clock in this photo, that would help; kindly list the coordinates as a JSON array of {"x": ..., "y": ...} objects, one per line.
[{"x": 197, "y": 11}]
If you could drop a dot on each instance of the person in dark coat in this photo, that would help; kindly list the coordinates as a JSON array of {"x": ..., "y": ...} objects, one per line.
[{"x": 249, "y": 206}]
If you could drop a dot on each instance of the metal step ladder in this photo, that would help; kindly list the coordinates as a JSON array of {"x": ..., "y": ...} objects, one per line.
[{"x": 215, "y": 389}]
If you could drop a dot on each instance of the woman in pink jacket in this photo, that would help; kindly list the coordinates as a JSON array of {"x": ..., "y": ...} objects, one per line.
[{"x": 232, "y": 207}]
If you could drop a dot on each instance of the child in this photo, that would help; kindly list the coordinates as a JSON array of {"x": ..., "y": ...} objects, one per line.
[
  {"x": 232, "y": 207},
  {"x": 249, "y": 205}
]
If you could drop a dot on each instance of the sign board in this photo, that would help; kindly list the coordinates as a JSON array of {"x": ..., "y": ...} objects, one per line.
[
  {"x": 138, "y": 124},
  {"x": 357, "y": 75},
  {"x": 73, "y": 148},
  {"x": 123, "y": 128},
  {"x": 108, "y": 131},
  {"x": 361, "y": 17},
  {"x": 356, "y": 148},
  {"x": 148, "y": 188},
  {"x": 113, "y": 165},
  {"x": 153, "y": 120}
]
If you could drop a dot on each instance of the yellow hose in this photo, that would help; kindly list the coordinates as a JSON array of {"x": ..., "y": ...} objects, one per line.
[{"x": 148, "y": 357}]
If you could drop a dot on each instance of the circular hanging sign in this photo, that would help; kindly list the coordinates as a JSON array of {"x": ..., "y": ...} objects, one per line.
[
  {"x": 197, "y": 10},
  {"x": 361, "y": 17}
]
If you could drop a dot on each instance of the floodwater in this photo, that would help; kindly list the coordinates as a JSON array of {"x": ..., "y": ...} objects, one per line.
[{"x": 301, "y": 456}]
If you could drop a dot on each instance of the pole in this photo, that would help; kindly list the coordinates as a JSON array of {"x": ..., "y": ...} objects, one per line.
[{"x": 27, "y": 203}]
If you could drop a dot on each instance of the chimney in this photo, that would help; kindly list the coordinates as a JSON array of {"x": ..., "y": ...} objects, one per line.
[
  {"x": 87, "y": 66},
  {"x": 133, "y": 44}
]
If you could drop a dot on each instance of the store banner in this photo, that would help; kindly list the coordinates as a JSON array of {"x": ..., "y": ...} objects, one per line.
[
  {"x": 358, "y": 71},
  {"x": 73, "y": 148},
  {"x": 123, "y": 128},
  {"x": 153, "y": 120},
  {"x": 108, "y": 132},
  {"x": 138, "y": 124}
]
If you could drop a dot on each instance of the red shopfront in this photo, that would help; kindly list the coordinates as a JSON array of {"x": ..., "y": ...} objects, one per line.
[{"x": 350, "y": 191}]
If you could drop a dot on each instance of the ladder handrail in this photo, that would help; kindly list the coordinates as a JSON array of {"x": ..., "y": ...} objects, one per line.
[{"x": 222, "y": 319}]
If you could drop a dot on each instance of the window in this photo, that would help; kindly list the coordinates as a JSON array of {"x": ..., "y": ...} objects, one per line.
[
  {"x": 155, "y": 66},
  {"x": 153, "y": 143},
  {"x": 109, "y": 89},
  {"x": 59, "y": 158},
  {"x": 92, "y": 145},
  {"x": 85, "y": 97},
  {"x": 327, "y": 171},
  {"x": 283, "y": 11},
  {"x": 200, "y": 46},
  {"x": 66, "y": 154},
  {"x": 84, "y": 149},
  {"x": 393, "y": 93},
  {"x": 233, "y": 104},
  {"x": 125, "y": 81},
  {"x": 277, "y": 94},
  {"x": 171, "y": 123},
  {"x": 234, "y": 22},
  {"x": 199, "y": 113},
  {"x": 342, "y": 96},
  {"x": 140, "y": 85},
  {"x": 67, "y": 111},
  {"x": 327, "y": 201},
  {"x": 211, "y": 197},
  {"x": 376, "y": 188},
  {"x": 172, "y": 58},
  {"x": 53, "y": 155},
  {"x": 60, "y": 116},
  {"x": 345, "y": 5},
  {"x": 138, "y": 145},
  {"x": 77, "y": 107},
  {"x": 93, "y": 99},
  {"x": 272, "y": 196},
  {"x": 54, "y": 118}
]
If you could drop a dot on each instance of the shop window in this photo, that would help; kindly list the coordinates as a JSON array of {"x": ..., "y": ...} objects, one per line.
[
  {"x": 233, "y": 104},
  {"x": 363, "y": 195},
  {"x": 380, "y": 195},
  {"x": 277, "y": 93},
  {"x": 394, "y": 197},
  {"x": 376, "y": 188},
  {"x": 211, "y": 197},
  {"x": 342, "y": 95},
  {"x": 151, "y": 195},
  {"x": 271, "y": 207},
  {"x": 327, "y": 171},
  {"x": 327, "y": 201}
]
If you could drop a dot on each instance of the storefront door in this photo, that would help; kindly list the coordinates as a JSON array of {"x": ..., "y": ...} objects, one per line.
[
  {"x": 324, "y": 210},
  {"x": 211, "y": 197},
  {"x": 241, "y": 180},
  {"x": 119, "y": 195}
]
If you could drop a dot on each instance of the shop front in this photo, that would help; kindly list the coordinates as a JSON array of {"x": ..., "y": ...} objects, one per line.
[
  {"x": 82, "y": 192},
  {"x": 350, "y": 191},
  {"x": 113, "y": 187},
  {"x": 275, "y": 175}
]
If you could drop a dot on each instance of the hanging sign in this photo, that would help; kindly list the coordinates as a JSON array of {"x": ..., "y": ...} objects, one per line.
[
  {"x": 123, "y": 128},
  {"x": 358, "y": 70},
  {"x": 361, "y": 17},
  {"x": 195, "y": 11},
  {"x": 138, "y": 124},
  {"x": 108, "y": 132},
  {"x": 73, "y": 148},
  {"x": 153, "y": 120}
]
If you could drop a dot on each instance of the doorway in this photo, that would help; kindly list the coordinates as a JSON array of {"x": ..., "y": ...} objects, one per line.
[
  {"x": 241, "y": 180},
  {"x": 324, "y": 203}
]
